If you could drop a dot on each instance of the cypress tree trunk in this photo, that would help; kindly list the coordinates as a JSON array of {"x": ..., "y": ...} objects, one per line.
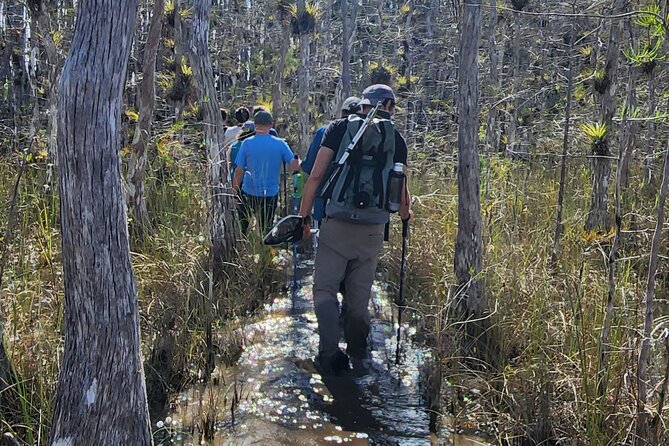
[
  {"x": 137, "y": 164},
  {"x": 302, "y": 80},
  {"x": 469, "y": 243},
  {"x": 492, "y": 141},
  {"x": 598, "y": 216},
  {"x": 345, "y": 50},
  {"x": 650, "y": 144},
  {"x": 277, "y": 82},
  {"x": 563, "y": 162},
  {"x": 101, "y": 398},
  {"x": 221, "y": 212},
  {"x": 643, "y": 415}
]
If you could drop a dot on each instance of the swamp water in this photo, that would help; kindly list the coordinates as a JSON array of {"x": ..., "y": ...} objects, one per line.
[{"x": 275, "y": 396}]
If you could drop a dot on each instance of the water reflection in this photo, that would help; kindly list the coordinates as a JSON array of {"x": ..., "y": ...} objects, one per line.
[{"x": 275, "y": 396}]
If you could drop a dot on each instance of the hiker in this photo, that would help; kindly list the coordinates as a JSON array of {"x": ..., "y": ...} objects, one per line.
[
  {"x": 258, "y": 165},
  {"x": 259, "y": 108},
  {"x": 350, "y": 105},
  {"x": 248, "y": 130},
  {"x": 352, "y": 233},
  {"x": 241, "y": 115}
]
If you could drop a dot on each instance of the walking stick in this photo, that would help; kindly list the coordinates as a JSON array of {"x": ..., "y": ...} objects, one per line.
[
  {"x": 400, "y": 297},
  {"x": 285, "y": 191},
  {"x": 296, "y": 208}
]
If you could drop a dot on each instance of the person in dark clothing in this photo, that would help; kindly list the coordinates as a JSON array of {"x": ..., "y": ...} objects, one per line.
[
  {"x": 348, "y": 249},
  {"x": 350, "y": 105}
]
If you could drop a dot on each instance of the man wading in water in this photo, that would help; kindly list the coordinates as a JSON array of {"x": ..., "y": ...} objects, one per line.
[
  {"x": 351, "y": 236},
  {"x": 258, "y": 164}
]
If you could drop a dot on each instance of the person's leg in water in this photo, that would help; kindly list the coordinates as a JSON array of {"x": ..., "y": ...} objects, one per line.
[
  {"x": 266, "y": 212},
  {"x": 358, "y": 287},
  {"x": 244, "y": 212},
  {"x": 330, "y": 267}
]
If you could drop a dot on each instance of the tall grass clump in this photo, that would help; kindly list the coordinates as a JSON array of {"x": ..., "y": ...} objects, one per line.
[
  {"x": 188, "y": 327},
  {"x": 541, "y": 388}
]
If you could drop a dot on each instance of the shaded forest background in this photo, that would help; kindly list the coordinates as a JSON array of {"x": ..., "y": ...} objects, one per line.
[{"x": 581, "y": 82}]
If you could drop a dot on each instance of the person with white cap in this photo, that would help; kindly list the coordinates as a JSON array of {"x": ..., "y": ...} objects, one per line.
[{"x": 351, "y": 239}]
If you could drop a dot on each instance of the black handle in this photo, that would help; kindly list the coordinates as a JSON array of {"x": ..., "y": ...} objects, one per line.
[{"x": 405, "y": 228}]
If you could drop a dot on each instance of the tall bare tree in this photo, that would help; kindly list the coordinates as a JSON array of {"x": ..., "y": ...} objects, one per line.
[
  {"x": 284, "y": 46},
  {"x": 643, "y": 415},
  {"x": 305, "y": 23},
  {"x": 221, "y": 212},
  {"x": 101, "y": 396},
  {"x": 598, "y": 216},
  {"x": 147, "y": 93},
  {"x": 469, "y": 243}
]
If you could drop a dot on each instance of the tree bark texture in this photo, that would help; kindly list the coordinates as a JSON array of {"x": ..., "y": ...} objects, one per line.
[
  {"x": 137, "y": 164},
  {"x": 469, "y": 243},
  {"x": 277, "y": 84},
  {"x": 303, "y": 94},
  {"x": 598, "y": 216},
  {"x": 604, "y": 347},
  {"x": 563, "y": 162},
  {"x": 221, "y": 212},
  {"x": 492, "y": 139},
  {"x": 100, "y": 398},
  {"x": 643, "y": 415},
  {"x": 652, "y": 134},
  {"x": 345, "y": 51}
]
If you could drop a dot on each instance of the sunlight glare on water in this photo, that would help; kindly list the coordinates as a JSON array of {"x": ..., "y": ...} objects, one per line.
[{"x": 282, "y": 400}]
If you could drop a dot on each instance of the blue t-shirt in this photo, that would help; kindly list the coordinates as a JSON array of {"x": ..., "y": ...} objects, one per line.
[
  {"x": 261, "y": 157},
  {"x": 308, "y": 164},
  {"x": 309, "y": 161}
]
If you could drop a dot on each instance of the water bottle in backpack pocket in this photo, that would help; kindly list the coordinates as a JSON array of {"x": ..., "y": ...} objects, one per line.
[{"x": 395, "y": 188}]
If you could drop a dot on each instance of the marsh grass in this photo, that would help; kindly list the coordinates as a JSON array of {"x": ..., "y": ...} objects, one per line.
[
  {"x": 541, "y": 387},
  {"x": 181, "y": 321}
]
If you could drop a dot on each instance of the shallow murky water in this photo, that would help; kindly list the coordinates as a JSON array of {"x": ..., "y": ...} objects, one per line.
[{"x": 275, "y": 396}]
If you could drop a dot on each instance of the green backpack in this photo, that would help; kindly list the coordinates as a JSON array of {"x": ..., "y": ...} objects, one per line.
[{"x": 359, "y": 195}]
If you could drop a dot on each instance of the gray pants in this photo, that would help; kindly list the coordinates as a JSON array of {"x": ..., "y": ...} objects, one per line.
[{"x": 346, "y": 252}]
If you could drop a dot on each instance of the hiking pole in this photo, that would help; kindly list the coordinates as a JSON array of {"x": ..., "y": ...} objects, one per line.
[
  {"x": 285, "y": 191},
  {"x": 400, "y": 297},
  {"x": 296, "y": 208}
]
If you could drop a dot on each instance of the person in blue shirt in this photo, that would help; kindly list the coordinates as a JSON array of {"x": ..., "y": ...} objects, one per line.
[
  {"x": 350, "y": 106},
  {"x": 259, "y": 164}
]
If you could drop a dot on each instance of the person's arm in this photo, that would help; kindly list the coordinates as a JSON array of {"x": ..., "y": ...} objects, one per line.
[
  {"x": 401, "y": 156},
  {"x": 240, "y": 162},
  {"x": 320, "y": 169},
  {"x": 237, "y": 181},
  {"x": 405, "y": 203},
  {"x": 290, "y": 158}
]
